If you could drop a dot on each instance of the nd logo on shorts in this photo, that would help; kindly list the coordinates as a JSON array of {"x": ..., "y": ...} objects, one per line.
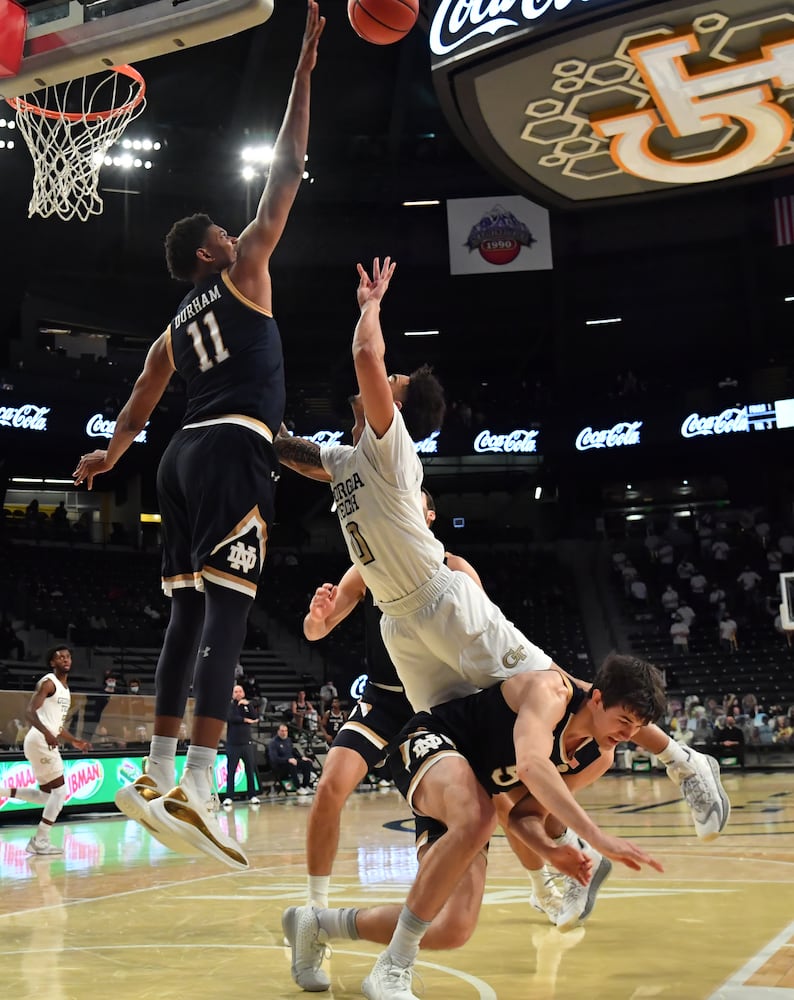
[
  {"x": 237, "y": 561},
  {"x": 427, "y": 744}
]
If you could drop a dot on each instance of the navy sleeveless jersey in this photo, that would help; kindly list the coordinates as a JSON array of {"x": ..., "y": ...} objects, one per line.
[
  {"x": 481, "y": 726},
  {"x": 228, "y": 351},
  {"x": 380, "y": 669}
]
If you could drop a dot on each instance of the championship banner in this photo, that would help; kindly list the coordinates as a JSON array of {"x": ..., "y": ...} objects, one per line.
[{"x": 494, "y": 235}]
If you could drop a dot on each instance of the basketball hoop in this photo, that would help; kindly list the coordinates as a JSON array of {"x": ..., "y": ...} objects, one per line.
[{"x": 69, "y": 129}]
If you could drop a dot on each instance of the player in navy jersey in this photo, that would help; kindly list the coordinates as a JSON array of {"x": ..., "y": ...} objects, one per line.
[
  {"x": 217, "y": 477},
  {"x": 535, "y": 737}
]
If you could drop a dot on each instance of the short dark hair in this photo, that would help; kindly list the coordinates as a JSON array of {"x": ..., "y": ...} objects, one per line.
[
  {"x": 632, "y": 683},
  {"x": 424, "y": 405},
  {"x": 431, "y": 504},
  {"x": 53, "y": 650},
  {"x": 181, "y": 243}
]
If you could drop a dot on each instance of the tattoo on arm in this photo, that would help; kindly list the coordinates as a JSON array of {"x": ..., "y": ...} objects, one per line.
[{"x": 298, "y": 450}]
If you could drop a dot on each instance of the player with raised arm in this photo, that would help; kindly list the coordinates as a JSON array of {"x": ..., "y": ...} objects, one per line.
[{"x": 216, "y": 479}]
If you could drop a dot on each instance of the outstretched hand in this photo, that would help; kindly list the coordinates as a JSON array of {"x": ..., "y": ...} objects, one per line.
[
  {"x": 311, "y": 36},
  {"x": 91, "y": 465},
  {"x": 627, "y": 853},
  {"x": 374, "y": 288}
]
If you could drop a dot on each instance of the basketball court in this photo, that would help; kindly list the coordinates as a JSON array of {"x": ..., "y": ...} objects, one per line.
[{"x": 119, "y": 917}]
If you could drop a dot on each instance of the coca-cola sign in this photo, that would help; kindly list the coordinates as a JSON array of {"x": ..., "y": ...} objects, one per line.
[
  {"x": 100, "y": 426},
  {"x": 326, "y": 437},
  {"x": 429, "y": 446},
  {"x": 27, "y": 417},
  {"x": 517, "y": 441},
  {"x": 620, "y": 436},
  {"x": 458, "y": 22}
]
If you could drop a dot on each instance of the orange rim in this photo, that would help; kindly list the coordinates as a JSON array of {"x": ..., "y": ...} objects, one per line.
[{"x": 20, "y": 104}]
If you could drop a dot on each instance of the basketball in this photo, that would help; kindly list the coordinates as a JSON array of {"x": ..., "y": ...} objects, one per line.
[{"x": 382, "y": 22}]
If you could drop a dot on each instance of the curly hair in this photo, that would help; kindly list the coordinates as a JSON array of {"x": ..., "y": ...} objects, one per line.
[
  {"x": 181, "y": 243},
  {"x": 424, "y": 405},
  {"x": 632, "y": 683}
]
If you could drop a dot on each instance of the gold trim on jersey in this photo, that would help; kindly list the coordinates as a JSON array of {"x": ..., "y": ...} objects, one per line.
[
  {"x": 181, "y": 582},
  {"x": 240, "y": 419},
  {"x": 239, "y": 295},
  {"x": 169, "y": 346},
  {"x": 369, "y": 734},
  {"x": 420, "y": 774},
  {"x": 229, "y": 581}
]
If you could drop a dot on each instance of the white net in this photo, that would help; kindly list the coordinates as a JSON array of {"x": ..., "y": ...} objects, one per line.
[{"x": 69, "y": 129}]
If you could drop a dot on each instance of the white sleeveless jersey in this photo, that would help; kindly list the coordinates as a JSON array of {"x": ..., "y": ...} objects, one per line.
[
  {"x": 377, "y": 489},
  {"x": 56, "y": 707}
]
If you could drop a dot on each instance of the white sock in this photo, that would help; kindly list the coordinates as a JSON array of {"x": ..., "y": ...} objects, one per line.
[
  {"x": 43, "y": 831},
  {"x": 160, "y": 764},
  {"x": 404, "y": 945},
  {"x": 567, "y": 837},
  {"x": 673, "y": 753},
  {"x": 198, "y": 768},
  {"x": 537, "y": 876},
  {"x": 318, "y": 886}
]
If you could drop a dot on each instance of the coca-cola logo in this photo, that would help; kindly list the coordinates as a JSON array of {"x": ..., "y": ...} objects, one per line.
[
  {"x": 459, "y": 21},
  {"x": 100, "y": 426},
  {"x": 516, "y": 441},
  {"x": 27, "y": 417},
  {"x": 84, "y": 779},
  {"x": 620, "y": 436},
  {"x": 429, "y": 446},
  {"x": 326, "y": 437},
  {"x": 730, "y": 421}
]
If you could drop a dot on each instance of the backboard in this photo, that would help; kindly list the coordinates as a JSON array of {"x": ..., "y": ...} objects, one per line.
[{"x": 67, "y": 39}]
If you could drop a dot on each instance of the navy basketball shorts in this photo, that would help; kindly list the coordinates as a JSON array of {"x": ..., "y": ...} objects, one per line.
[
  {"x": 216, "y": 490},
  {"x": 374, "y": 724}
]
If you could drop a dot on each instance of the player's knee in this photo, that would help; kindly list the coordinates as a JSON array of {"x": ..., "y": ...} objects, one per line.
[
  {"x": 332, "y": 792},
  {"x": 452, "y": 928}
]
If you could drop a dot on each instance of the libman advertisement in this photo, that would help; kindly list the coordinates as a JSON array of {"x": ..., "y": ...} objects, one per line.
[{"x": 94, "y": 781}]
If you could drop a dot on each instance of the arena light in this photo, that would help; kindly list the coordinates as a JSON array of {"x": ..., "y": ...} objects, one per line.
[
  {"x": 538, "y": 492},
  {"x": 60, "y": 482},
  {"x": 421, "y": 333},
  {"x": 603, "y": 322},
  {"x": 25, "y": 479},
  {"x": 426, "y": 203}
]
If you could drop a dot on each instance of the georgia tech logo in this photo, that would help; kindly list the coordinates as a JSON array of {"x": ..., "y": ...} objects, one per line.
[
  {"x": 513, "y": 657},
  {"x": 692, "y": 104}
]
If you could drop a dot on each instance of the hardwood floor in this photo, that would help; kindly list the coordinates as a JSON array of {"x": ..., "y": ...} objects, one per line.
[{"x": 117, "y": 917}]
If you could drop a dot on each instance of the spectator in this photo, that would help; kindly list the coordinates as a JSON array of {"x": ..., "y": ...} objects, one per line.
[
  {"x": 729, "y": 740},
  {"x": 685, "y": 570},
  {"x": 670, "y": 598},
  {"x": 720, "y": 549},
  {"x": 240, "y": 717},
  {"x": 679, "y": 632},
  {"x": 300, "y": 706},
  {"x": 286, "y": 763},
  {"x": 727, "y": 632}
]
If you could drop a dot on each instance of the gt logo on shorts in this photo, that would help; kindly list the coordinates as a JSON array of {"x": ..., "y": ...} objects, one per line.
[{"x": 513, "y": 657}]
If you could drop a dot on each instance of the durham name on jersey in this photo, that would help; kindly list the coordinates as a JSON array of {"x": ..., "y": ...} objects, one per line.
[
  {"x": 228, "y": 350},
  {"x": 377, "y": 489}
]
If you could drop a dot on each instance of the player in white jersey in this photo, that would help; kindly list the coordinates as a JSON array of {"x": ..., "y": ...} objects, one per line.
[
  {"x": 445, "y": 637},
  {"x": 46, "y": 713}
]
